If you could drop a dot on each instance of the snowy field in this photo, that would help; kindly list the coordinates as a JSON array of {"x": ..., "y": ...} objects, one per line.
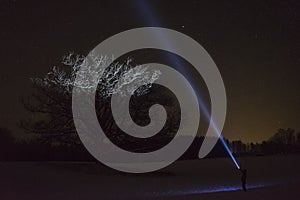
[{"x": 272, "y": 177}]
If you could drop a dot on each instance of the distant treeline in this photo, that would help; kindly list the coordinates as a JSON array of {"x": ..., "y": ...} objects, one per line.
[{"x": 285, "y": 141}]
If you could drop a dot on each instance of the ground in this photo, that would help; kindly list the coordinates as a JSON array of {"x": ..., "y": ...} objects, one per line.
[{"x": 269, "y": 177}]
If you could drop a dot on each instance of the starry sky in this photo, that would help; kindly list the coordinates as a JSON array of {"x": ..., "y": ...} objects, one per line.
[{"x": 254, "y": 43}]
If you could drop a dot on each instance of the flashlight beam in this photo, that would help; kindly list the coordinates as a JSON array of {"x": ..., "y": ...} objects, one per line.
[{"x": 149, "y": 16}]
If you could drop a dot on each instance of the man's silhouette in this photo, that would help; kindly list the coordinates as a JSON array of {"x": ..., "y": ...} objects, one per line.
[{"x": 244, "y": 178}]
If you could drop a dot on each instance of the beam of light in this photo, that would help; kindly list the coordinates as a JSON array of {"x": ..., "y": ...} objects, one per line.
[
  {"x": 150, "y": 17},
  {"x": 224, "y": 143},
  {"x": 213, "y": 189}
]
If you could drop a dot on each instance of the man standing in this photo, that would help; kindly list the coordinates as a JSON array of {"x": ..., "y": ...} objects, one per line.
[{"x": 244, "y": 178}]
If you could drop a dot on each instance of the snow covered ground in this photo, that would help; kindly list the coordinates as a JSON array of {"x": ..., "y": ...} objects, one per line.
[{"x": 272, "y": 177}]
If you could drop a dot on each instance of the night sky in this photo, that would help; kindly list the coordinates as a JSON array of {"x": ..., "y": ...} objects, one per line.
[{"x": 254, "y": 43}]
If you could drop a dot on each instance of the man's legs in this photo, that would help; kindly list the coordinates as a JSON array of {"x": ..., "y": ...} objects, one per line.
[{"x": 244, "y": 186}]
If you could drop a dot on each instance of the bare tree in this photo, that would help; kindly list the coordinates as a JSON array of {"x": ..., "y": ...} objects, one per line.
[{"x": 51, "y": 102}]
